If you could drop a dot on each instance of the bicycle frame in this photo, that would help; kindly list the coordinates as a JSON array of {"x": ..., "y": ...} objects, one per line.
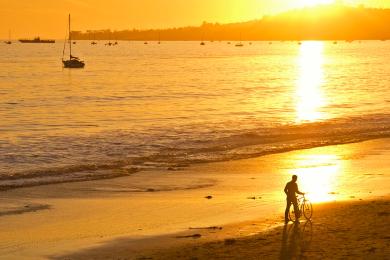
[
  {"x": 301, "y": 199},
  {"x": 302, "y": 202}
]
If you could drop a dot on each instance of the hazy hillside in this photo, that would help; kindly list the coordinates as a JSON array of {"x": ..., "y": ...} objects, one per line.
[{"x": 330, "y": 22}]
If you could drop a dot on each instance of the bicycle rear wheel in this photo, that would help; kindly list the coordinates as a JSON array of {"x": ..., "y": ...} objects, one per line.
[
  {"x": 307, "y": 209},
  {"x": 291, "y": 214}
]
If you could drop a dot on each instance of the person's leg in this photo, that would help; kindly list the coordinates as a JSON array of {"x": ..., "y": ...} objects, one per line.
[
  {"x": 287, "y": 210},
  {"x": 296, "y": 209}
]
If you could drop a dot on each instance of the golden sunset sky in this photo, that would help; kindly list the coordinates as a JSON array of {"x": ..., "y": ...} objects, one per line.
[{"x": 28, "y": 18}]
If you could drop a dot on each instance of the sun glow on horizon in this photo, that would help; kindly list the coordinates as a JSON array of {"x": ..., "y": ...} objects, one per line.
[
  {"x": 30, "y": 18},
  {"x": 315, "y": 2}
]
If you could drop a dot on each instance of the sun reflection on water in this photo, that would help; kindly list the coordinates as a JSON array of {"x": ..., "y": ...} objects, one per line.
[
  {"x": 309, "y": 96},
  {"x": 317, "y": 175}
]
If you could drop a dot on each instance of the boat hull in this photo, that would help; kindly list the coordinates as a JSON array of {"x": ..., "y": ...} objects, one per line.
[
  {"x": 73, "y": 64},
  {"x": 37, "y": 41}
]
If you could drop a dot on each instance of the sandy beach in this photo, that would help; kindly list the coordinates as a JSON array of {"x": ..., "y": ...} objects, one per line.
[
  {"x": 348, "y": 230},
  {"x": 219, "y": 210}
]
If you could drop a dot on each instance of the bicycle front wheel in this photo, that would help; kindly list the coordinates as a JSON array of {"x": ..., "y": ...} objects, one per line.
[{"x": 307, "y": 209}]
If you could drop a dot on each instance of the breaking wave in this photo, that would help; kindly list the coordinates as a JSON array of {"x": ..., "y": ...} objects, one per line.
[{"x": 110, "y": 155}]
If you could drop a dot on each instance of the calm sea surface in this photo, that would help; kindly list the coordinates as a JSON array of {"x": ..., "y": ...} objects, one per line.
[{"x": 138, "y": 106}]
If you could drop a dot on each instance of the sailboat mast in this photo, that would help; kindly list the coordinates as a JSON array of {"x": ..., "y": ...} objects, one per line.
[{"x": 70, "y": 41}]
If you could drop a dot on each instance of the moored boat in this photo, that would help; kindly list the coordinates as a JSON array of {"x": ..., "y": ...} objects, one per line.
[
  {"x": 9, "y": 38},
  {"x": 240, "y": 44},
  {"x": 36, "y": 40},
  {"x": 73, "y": 62}
]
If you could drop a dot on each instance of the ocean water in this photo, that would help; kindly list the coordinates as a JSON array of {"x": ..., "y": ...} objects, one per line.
[{"x": 138, "y": 106}]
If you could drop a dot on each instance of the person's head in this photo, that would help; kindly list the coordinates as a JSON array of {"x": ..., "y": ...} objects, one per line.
[{"x": 294, "y": 178}]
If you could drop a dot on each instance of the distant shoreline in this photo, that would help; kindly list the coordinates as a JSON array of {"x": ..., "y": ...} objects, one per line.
[
  {"x": 235, "y": 39},
  {"x": 324, "y": 22},
  {"x": 231, "y": 40}
]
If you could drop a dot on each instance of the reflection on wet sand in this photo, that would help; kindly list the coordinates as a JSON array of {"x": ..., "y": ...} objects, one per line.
[
  {"x": 296, "y": 240},
  {"x": 318, "y": 174}
]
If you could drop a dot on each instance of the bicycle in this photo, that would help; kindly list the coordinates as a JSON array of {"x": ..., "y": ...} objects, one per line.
[{"x": 304, "y": 206}]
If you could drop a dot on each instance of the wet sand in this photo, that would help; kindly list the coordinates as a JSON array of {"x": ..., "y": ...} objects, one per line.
[
  {"x": 354, "y": 230},
  {"x": 135, "y": 215},
  {"x": 340, "y": 230}
]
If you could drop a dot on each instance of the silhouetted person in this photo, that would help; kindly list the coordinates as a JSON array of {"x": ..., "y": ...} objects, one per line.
[{"x": 291, "y": 190}]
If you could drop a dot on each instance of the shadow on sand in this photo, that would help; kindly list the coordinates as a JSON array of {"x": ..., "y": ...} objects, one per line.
[{"x": 296, "y": 240}]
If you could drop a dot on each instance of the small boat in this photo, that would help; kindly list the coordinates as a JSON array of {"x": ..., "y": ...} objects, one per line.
[
  {"x": 335, "y": 42},
  {"x": 73, "y": 62},
  {"x": 36, "y": 40},
  {"x": 109, "y": 43},
  {"x": 9, "y": 38},
  {"x": 240, "y": 44},
  {"x": 94, "y": 42},
  {"x": 202, "y": 42}
]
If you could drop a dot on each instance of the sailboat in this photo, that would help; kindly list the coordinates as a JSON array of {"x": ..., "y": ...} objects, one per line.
[
  {"x": 73, "y": 62},
  {"x": 94, "y": 40},
  {"x": 203, "y": 43},
  {"x": 240, "y": 44},
  {"x": 9, "y": 38},
  {"x": 109, "y": 43}
]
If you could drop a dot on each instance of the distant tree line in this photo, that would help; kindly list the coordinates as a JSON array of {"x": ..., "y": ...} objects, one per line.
[{"x": 330, "y": 22}]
